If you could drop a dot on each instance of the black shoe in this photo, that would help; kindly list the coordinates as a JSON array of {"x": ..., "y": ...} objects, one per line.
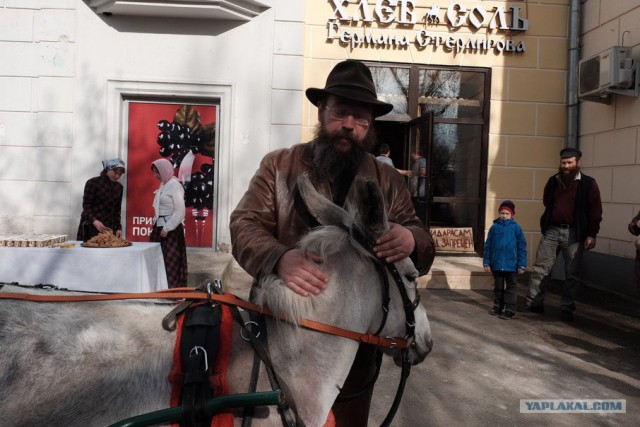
[
  {"x": 566, "y": 316},
  {"x": 527, "y": 308},
  {"x": 495, "y": 310},
  {"x": 507, "y": 315}
]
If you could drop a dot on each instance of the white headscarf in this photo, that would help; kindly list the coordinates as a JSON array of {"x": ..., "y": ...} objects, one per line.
[
  {"x": 165, "y": 169},
  {"x": 107, "y": 165}
]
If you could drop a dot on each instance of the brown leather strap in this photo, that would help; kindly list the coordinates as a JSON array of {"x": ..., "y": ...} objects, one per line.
[
  {"x": 174, "y": 293},
  {"x": 229, "y": 299}
]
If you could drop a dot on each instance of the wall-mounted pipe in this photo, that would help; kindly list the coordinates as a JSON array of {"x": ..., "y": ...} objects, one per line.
[{"x": 574, "y": 57}]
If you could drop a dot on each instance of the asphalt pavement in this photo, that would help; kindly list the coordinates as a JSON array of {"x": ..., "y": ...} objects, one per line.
[{"x": 481, "y": 366}]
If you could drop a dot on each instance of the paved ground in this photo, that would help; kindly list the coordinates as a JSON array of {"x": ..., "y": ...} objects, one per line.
[{"x": 481, "y": 366}]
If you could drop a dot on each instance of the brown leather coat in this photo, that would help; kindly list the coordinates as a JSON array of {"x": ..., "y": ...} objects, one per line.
[{"x": 266, "y": 224}]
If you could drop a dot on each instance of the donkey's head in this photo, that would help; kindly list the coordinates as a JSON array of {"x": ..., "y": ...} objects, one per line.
[{"x": 365, "y": 221}]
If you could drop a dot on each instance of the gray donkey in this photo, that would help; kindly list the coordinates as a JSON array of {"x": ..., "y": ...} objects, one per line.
[{"x": 95, "y": 363}]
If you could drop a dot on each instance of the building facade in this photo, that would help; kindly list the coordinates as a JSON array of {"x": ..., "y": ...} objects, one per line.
[
  {"x": 76, "y": 68},
  {"x": 519, "y": 61},
  {"x": 609, "y": 138},
  {"x": 481, "y": 91}
]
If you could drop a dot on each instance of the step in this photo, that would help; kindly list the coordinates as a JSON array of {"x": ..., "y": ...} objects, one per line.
[
  {"x": 456, "y": 272},
  {"x": 207, "y": 264}
]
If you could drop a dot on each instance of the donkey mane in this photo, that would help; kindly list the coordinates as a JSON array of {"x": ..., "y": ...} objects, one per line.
[
  {"x": 324, "y": 241},
  {"x": 331, "y": 241}
]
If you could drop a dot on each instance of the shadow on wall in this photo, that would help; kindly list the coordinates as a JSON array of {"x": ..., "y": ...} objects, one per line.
[
  {"x": 608, "y": 272},
  {"x": 600, "y": 271},
  {"x": 16, "y": 225},
  {"x": 162, "y": 25},
  {"x": 90, "y": 147}
]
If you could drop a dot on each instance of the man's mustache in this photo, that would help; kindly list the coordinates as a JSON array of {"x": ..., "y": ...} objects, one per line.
[
  {"x": 569, "y": 170},
  {"x": 341, "y": 134}
]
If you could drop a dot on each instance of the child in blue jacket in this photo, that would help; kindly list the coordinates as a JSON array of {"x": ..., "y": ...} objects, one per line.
[{"x": 505, "y": 254}]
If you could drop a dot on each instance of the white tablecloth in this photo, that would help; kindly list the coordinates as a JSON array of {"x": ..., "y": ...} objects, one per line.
[{"x": 136, "y": 268}]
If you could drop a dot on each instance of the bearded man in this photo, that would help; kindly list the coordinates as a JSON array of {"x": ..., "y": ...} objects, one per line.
[
  {"x": 569, "y": 224},
  {"x": 271, "y": 217}
]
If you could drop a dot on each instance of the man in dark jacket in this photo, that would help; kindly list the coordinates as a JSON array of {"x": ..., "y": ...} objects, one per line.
[
  {"x": 569, "y": 225},
  {"x": 268, "y": 223}
]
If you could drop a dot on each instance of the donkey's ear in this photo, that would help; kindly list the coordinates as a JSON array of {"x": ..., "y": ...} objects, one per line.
[
  {"x": 323, "y": 210},
  {"x": 370, "y": 205}
]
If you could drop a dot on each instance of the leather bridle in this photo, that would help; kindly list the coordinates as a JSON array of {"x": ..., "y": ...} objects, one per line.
[
  {"x": 367, "y": 243},
  {"x": 229, "y": 299}
]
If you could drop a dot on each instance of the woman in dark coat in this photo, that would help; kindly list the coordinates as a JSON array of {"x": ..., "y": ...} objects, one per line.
[
  {"x": 102, "y": 201},
  {"x": 635, "y": 230}
]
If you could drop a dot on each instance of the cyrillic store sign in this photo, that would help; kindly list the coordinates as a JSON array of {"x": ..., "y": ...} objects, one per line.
[
  {"x": 453, "y": 239},
  {"x": 350, "y": 25}
]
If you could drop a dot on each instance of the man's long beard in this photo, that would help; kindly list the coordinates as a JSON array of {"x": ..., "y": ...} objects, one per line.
[
  {"x": 329, "y": 162},
  {"x": 568, "y": 178}
]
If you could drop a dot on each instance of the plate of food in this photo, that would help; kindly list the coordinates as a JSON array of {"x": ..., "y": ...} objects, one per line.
[{"x": 106, "y": 240}]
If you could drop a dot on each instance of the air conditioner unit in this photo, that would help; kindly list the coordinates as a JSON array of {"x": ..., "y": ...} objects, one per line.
[{"x": 607, "y": 72}]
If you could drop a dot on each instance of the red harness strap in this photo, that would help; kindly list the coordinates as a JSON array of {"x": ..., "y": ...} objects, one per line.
[
  {"x": 331, "y": 421},
  {"x": 218, "y": 377}
]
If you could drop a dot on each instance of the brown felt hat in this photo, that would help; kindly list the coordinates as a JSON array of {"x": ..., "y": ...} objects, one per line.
[{"x": 351, "y": 80}]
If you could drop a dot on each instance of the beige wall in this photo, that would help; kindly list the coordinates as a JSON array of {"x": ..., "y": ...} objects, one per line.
[
  {"x": 609, "y": 133},
  {"x": 528, "y": 92}
]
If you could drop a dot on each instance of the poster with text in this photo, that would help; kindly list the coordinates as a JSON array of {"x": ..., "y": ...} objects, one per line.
[{"x": 185, "y": 135}]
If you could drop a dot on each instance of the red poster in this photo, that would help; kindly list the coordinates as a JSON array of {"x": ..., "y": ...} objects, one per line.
[{"x": 180, "y": 133}]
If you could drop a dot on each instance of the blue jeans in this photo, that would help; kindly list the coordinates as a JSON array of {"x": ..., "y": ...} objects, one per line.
[{"x": 557, "y": 241}]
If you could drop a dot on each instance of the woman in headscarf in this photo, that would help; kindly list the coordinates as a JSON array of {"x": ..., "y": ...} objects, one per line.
[
  {"x": 168, "y": 204},
  {"x": 102, "y": 201}
]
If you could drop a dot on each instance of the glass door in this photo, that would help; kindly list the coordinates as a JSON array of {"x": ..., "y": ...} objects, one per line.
[
  {"x": 446, "y": 164},
  {"x": 446, "y": 110},
  {"x": 419, "y": 159},
  {"x": 455, "y": 178},
  {"x": 458, "y": 147}
]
